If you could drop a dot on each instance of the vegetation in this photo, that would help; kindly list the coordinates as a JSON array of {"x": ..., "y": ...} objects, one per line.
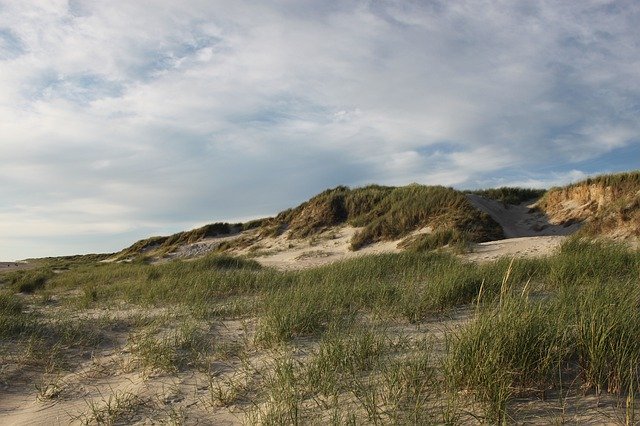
[
  {"x": 510, "y": 195},
  {"x": 610, "y": 204},
  {"x": 387, "y": 213},
  {"x": 533, "y": 329},
  {"x": 12, "y": 320},
  {"x": 412, "y": 207},
  {"x": 619, "y": 182},
  {"x": 419, "y": 337},
  {"x": 158, "y": 246},
  {"x": 27, "y": 281}
]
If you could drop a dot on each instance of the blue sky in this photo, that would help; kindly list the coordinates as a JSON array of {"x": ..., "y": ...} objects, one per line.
[{"x": 121, "y": 120}]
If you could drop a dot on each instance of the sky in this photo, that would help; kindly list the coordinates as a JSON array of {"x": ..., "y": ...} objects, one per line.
[{"x": 124, "y": 119}]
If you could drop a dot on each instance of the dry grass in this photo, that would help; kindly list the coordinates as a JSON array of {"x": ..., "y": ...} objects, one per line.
[{"x": 359, "y": 341}]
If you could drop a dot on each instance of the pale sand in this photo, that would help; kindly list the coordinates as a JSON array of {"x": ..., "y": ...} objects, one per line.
[
  {"x": 94, "y": 381},
  {"x": 521, "y": 220},
  {"x": 333, "y": 246},
  {"x": 14, "y": 266},
  {"x": 524, "y": 247},
  {"x": 529, "y": 234}
]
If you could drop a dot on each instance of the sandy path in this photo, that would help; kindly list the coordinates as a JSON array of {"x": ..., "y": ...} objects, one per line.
[
  {"x": 520, "y": 220},
  {"x": 523, "y": 247}
]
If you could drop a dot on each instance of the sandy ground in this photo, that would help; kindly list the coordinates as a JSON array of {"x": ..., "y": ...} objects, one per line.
[
  {"x": 107, "y": 380},
  {"x": 14, "y": 266},
  {"x": 327, "y": 247},
  {"x": 521, "y": 220},
  {"x": 108, "y": 383},
  {"x": 291, "y": 255},
  {"x": 525, "y": 247},
  {"x": 529, "y": 234}
]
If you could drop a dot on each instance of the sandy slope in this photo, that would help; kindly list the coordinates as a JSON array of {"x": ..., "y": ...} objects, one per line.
[
  {"x": 327, "y": 247},
  {"x": 521, "y": 220},
  {"x": 529, "y": 234}
]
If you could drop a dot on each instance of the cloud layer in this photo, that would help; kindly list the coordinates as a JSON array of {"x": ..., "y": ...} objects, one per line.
[{"x": 122, "y": 119}]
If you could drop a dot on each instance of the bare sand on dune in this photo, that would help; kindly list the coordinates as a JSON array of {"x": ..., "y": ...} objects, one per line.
[
  {"x": 523, "y": 247},
  {"x": 285, "y": 254},
  {"x": 14, "y": 266},
  {"x": 521, "y": 220},
  {"x": 327, "y": 247},
  {"x": 529, "y": 233}
]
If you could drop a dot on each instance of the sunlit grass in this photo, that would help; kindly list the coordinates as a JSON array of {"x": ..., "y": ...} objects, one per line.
[{"x": 535, "y": 326}]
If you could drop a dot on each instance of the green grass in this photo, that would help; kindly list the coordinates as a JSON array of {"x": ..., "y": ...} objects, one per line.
[
  {"x": 440, "y": 238},
  {"x": 171, "y": 351},
  {"x": 27, "y": 281},
  {"x": 332, "y": 207},
  {"x": 386, "y": 213},
  {"x": 619, "y": 182},
  {"x": 510, "y": 195},
  {"x": 581, "y": 326},
  {"x": 409, "y": 286},
  {"x": 411, "y": 207},
  {"x": 13, "y": 321},
  {"x": 510, "y": 350},
  {"x": 536, "y": 327}
]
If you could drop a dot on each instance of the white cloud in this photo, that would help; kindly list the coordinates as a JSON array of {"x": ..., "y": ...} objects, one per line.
[{"x": 170, "y": 113}]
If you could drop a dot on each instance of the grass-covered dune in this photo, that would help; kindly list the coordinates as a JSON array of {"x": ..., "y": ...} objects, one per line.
[
  {"x": 385, "y": 213},
  {"x": 347, "y": 342},
  {"x": 390, "y": 213},
  {"x": 608, "y": 204},
  {"x": 158, "y": 246}
]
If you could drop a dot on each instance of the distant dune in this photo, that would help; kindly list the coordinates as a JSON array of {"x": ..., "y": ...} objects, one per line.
[
  {"x": 343, "y": 222},
  {"x": 13, "y": 266}
]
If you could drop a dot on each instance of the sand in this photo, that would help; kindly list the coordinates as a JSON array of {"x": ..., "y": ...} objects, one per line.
[
  {"x": 93, "y": 384},
  {"x": 529, "y": 234},
  {"x": 521, "y": 220},
  {"x": 14, "y": 266}
]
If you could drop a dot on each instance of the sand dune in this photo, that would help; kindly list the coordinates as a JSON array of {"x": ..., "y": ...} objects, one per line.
[
  {"x": 521, "y": 220},
  {"x": 529, "y": 234}
]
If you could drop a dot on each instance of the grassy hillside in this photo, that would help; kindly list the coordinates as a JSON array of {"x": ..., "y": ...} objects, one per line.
[
  {"x": 389, "y": 213},
  {"x": 412, "y": 207},
  {"x": 386, "y": 213}
]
